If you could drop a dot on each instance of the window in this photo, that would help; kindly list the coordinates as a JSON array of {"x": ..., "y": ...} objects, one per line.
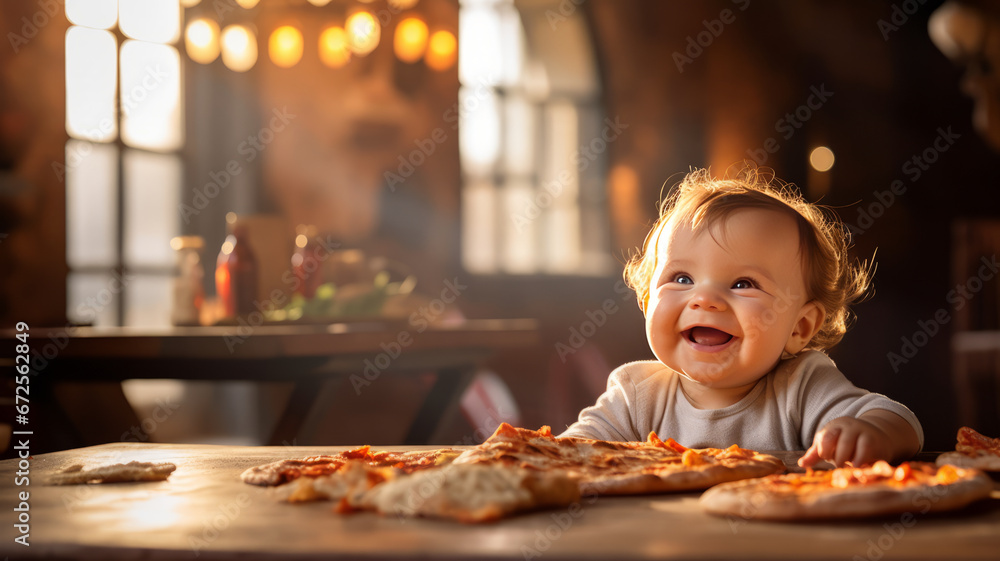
[
  {"x": 124, "y": 117},
  {"x": 533, "y": 195}
]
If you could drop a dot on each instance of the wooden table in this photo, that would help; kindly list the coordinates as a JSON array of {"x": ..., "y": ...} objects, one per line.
[
  {"x": 304, "y": 354},
  {"x": 203, "y": 511}
]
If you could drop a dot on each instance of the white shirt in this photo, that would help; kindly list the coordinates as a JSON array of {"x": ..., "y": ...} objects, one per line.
[{"x": 782, "y": 412}]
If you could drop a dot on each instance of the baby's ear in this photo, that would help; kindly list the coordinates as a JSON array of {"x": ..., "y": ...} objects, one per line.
[{"x": 810, "y": 321}]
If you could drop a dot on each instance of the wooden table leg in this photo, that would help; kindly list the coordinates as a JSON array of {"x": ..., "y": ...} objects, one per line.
[
  {"x": 297, "y": 410},
  {"x": 442, "y": 399}
]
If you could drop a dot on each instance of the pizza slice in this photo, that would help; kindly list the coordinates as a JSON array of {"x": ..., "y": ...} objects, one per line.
[
  {"x": 849, "y": 492},
  {"x": 973, "y": 450},
  {"x": 116, "y": 473},
  {"x": 283, "y": 471},
  {"x": 621, "y": 468},
  {"x": 472, "y": 493}
]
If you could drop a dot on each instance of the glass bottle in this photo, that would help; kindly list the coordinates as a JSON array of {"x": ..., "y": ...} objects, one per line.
[
  {"x": 189, "y": 291},
  {"x": 236, "y": 271},
  {"x": 306, "y": 262}
]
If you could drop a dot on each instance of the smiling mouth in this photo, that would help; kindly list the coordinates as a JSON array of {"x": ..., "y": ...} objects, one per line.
[{"x": 707, "y": 336}]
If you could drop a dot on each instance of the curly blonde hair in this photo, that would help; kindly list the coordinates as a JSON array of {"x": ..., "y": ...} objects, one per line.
[{"x": 831, "y": 278}]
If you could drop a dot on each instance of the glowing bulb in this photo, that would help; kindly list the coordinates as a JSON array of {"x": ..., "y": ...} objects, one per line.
[
  {"x": 201, "y": 39},
  {"x": 239, "y": 48},
  {"x": 247, "y": 4},
  {"x": 821, "y": 158},
  {"x": 363, "y": 33},
  {"x": 402, "y": 4},
  {"x": 333, "y": 49},
  {"x": 319, "y": 3},
  {"x": 285, "y": 46},
  {"x": 442, "y": 50},
  {"x": 410, "y": 40},
  {"x": 189, "y": 3}
]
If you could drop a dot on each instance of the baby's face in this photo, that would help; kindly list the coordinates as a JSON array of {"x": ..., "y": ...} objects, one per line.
[{"x": 721, "y": 310}]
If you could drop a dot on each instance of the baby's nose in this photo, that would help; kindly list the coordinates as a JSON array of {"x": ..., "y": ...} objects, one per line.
[{"x": 707, "y": 299}]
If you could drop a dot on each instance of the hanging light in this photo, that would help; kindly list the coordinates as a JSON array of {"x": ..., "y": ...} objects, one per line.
[
  {"x": 285, "y": 46},
  {"x": 821, "y": 158},
  {"x": 333, "y": 48},
  {"x": 201, "y": 40},
  {"x": 442, "y": 50},
  {"x": 402, "y": 4},
  {"x": 319, "y": 3},
  {"x": 239, "y": 48},
  {"x": 247, "y": 4},
  {"x": 189, "y": 3},
  {"x": 363, "y": 32},
  {"x": 410, "y": 39}
]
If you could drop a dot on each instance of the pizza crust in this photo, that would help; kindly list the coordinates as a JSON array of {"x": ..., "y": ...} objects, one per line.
[
  {"x": 472, "y": 493},
  {"x": 116, "y": 473},
  {"x": 981, "y": 460}
]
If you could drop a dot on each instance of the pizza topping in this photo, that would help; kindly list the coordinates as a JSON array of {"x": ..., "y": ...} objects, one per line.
[
  {"x": 947, "y": 474},
  {"x": 903, "y": 472},
  {"x": 692, "y": 458},
  {"x": 972, "y": 442},
  {"x": 670, "y": 444}
]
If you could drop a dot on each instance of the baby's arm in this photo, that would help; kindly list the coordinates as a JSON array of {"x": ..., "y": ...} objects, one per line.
[
  {"x": 611, "y": 417},
  {"x": 876, "y": 434}
]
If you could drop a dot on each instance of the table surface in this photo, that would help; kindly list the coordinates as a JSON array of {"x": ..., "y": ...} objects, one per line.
[
  {"x": 273, "y": 341},
  {"x": 204, "y": 511}
]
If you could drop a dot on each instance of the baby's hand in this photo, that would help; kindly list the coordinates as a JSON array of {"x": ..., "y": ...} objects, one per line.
[{"x": 847, "y": 439}]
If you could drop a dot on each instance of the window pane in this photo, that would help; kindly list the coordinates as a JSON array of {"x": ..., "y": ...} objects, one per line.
[
  {"x": 522, "y": 211},
  {"x": 91, "y": 68},
  {"x": 562, "y": 143},
  {"x": 561, "y": 239},
  {"x": 519, "y": 136},
  {"x": 93, "y": 298},
  {"x": 91, "y": 204},
  {"x": 151, "y": 96},
  {"x": 148, "y": 300},
  {"x": 98, "y": 14},
  {"x": 479, "y": 204},
  {"x": 158, "y": 21},
  {"x": 152, "y": 193},
  {"x": 479, "y": 47},
  {"x": 512, "y": 43},
  {"x": 479, "y": 130}
]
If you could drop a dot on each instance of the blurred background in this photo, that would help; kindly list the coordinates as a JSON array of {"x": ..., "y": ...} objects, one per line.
[{"x": 516, "y": 147}]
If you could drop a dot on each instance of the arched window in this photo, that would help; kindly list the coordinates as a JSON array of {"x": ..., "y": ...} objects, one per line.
[
  {"x": 124, "y": 119},
  {"x": 533, "y": 141}
]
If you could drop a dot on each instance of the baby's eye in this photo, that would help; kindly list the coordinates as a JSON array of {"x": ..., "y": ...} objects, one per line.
[
  {"x": 682, "y": 278},
  {"x": 745, "y": 283}
]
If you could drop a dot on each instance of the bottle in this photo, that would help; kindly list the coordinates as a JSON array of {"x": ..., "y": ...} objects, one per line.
[
  {"x": 189, "y": 291},
  {"x": 236, "y": 271},
  {"x": 306, "y": 263}
]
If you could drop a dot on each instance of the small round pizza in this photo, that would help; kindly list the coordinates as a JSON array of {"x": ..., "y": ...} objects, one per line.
[
  {"x": 621, "y": 468},
  {"x": 973, "y": 450},
  {"x": 879, "y": 489}
]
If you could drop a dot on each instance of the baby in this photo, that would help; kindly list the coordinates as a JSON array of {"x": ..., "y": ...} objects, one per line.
[{"x": 743, "y": 286}]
